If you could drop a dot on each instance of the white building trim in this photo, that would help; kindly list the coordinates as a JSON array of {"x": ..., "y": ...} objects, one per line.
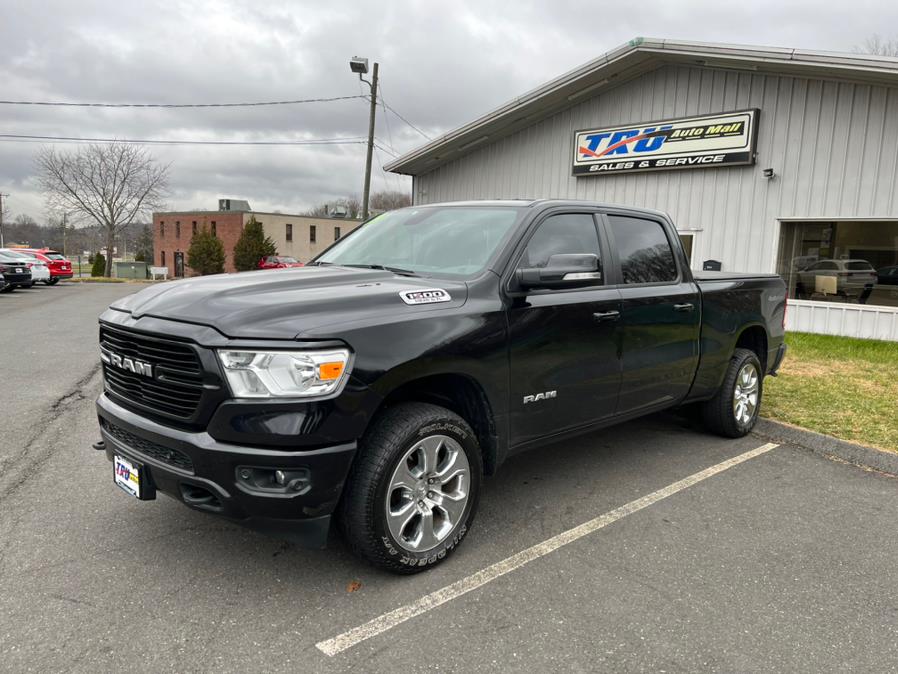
[{"x": 848, "y": 320}]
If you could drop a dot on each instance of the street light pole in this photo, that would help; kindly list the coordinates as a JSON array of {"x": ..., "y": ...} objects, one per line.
[{"x": 360, "y": 66}]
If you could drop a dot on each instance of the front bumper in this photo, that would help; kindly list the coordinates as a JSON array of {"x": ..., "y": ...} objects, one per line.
[{"x": 211, "y": 476}]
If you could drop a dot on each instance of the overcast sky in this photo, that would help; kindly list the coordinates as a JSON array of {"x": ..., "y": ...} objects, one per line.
[{"x": 442, "y": 64}]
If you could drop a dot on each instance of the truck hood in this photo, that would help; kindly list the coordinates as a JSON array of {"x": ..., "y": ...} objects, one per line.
[{"x": 287, "y": 303}]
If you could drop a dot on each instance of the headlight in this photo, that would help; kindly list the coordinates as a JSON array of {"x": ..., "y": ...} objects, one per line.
[{"x": 284, "y": 374}]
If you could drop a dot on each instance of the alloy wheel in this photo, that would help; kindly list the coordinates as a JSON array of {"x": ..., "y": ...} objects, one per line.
[
  {"x": 745, "y": 394},
  {"x": 428, "y": 493}
]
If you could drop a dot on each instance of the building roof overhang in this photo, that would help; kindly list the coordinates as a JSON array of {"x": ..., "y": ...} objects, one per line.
[{"x": 636, "y": 57}]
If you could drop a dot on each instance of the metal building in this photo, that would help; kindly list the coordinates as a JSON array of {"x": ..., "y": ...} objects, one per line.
[{"x": 768, "y": 159}]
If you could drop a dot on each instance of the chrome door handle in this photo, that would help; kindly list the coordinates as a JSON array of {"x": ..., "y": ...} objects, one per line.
[
  {"x": 689, "y": 306},
  {"x": 602, "y": 316}
]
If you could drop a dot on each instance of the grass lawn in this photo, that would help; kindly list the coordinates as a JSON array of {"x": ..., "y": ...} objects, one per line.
[{"x": 847, "y": 388}]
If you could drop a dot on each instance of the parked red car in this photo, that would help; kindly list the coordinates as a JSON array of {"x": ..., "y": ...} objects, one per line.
[
  {"x": 278, "y": 262},
  {"x": 60, "y": 267}
]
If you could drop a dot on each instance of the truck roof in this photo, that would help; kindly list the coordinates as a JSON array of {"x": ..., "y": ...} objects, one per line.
[{"x": 531, "y": 203}]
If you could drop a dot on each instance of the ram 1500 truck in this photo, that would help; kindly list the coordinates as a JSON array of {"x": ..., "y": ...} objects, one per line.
[{"x": 378, "y": 384}]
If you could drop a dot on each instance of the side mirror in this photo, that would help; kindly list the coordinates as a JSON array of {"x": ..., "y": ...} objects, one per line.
[{"x": 565, "y": 270}]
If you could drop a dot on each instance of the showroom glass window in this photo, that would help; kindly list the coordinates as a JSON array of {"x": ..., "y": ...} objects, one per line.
[{"x": 852, "y": 262}]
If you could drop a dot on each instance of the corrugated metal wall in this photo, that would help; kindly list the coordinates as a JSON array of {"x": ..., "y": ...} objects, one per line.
[{"x": 833, "y": 146}]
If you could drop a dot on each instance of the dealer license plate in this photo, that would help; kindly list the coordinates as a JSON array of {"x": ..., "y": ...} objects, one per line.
[{"x": 127, "y": 475}]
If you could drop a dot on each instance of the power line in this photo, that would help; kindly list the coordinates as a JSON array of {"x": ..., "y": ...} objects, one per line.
[
  {"x": 156, "y": 141},
  {"x": 66, "y": 104},
  {"x": 382, "y": 171},
  {"x": 386, "y": 116},
  {"x": 387, "y": 146},
  {"x": 394, "y": 155},
  {"x": 391, "y": 109}
]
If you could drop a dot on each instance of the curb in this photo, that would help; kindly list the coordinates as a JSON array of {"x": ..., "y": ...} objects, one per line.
[{"x": 859, "y": 455}]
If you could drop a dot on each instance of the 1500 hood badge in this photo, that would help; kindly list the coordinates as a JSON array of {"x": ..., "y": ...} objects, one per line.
[{"x": 426, "y": 296}]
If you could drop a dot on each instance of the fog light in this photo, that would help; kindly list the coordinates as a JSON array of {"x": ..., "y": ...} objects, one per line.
[{"x": 280, "y": 477}]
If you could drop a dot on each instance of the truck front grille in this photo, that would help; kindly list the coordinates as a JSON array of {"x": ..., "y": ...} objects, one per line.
[
  {"x": 173, "y": 457},
  {"x": 176, "y": 386}
]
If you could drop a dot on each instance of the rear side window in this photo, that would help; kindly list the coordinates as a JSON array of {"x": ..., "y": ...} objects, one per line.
[
  {"x": 643, "y": 249},
  {"x": 855, "y": 266},
  {"x": 557, "y": 234}
]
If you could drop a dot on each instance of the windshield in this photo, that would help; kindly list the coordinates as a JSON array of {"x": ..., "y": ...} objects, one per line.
[
  {"x": 451, "y": 241},
  {"x": 287, "y": 260}
]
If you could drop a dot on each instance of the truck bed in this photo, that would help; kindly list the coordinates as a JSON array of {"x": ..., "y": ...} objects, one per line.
[{"x": 732, "y": 302}]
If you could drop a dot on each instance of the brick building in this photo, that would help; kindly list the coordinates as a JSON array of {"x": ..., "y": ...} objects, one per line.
[{"x": 299, "y": 236}]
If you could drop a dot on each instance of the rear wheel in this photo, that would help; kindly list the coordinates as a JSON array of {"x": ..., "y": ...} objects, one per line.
[
  {"x": 733, "y": 411},
  {"x": 412, "y": 492},
  {"x": 53, "y": 281}
]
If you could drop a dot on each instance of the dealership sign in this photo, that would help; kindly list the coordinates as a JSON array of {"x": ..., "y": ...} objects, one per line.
[{"x": 726, "y": 139}]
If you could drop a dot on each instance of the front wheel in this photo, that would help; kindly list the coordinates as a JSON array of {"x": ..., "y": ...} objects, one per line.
[
  {"x": 7, "y": 289},
  {"x": 412, "y": 492},
  {"x": 733, "y": 411}
]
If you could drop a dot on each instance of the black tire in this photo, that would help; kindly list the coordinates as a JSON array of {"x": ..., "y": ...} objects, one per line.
[
  {"x": 7, "y": 289},
  {"x": 53, "y": 281},
  {"x": 718, "y": 414},
  {"x": 362, "y": 514}
]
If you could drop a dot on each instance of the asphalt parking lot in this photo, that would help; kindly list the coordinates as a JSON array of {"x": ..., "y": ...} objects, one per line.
[{"x": 780, "y": 560}]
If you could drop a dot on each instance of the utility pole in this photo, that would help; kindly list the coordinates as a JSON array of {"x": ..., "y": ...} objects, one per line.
[
  {"x": 64, "y": 214},
  {"x": 360, "y": 65},
  {"x": 2, "y": 243},
  {"x": 367, "y": 191}
]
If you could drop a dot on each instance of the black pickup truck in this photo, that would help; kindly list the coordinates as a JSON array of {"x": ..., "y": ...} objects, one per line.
[{"x": 377, "y": 385}]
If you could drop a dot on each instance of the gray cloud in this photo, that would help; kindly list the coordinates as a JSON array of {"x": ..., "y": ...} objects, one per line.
[{"x": 441, "y": 64}]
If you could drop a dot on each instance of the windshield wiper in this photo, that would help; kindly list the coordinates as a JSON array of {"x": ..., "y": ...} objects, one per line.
[{"x": 395, "y": 270}]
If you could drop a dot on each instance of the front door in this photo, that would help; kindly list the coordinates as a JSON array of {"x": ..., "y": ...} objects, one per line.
[
  {"x": 564, "y": 366},
  {"x": 660, "y": 315},
  {"x": 179, "y": 264}
]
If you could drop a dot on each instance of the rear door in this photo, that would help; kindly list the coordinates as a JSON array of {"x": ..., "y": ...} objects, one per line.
[
  {"x": 660, "y": 313},
  {"x": 563, "y": 346}
]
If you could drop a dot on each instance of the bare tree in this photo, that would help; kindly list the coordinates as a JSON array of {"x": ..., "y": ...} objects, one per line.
[
  {"x": 379, "y": 201},
  {"x": 390, "y": 200},
  {"x": 352, "y": 204},
  {"x": 111, "y": 184},
  {"x": 878, "y": 46}
]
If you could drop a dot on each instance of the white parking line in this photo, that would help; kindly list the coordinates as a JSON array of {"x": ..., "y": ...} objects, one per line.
[{"x": 387, "y": 621}]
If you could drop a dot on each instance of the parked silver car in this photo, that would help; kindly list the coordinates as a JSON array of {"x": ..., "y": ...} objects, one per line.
[
  {"x": 39, "y": 270},
  {"x": 852, "y": 276}
]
